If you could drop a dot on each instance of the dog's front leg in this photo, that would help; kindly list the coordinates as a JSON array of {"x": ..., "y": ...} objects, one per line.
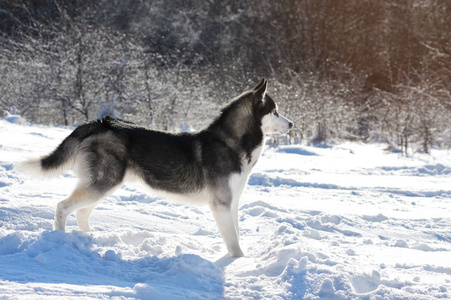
[{"x": 224, "y": 218}]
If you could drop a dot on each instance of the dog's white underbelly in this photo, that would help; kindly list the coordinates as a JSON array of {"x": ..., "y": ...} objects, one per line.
[{"x": 201, "y": 197}]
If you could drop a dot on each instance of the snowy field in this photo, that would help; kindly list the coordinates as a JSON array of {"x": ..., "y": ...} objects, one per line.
[{"x": 347, "y": 222}]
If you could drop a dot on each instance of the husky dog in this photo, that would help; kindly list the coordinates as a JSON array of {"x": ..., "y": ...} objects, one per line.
[{"x": 211, "y": 166}]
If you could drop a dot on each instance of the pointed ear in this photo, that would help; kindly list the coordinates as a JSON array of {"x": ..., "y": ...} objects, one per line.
[
  {"x": 261, "y": 90},
  {"x": 259, "y": 85}
]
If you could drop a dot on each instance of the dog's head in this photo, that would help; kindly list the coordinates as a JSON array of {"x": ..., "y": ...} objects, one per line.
[
  {"x": 267, "y": 111},
  {"x": 249, "y": 111}
]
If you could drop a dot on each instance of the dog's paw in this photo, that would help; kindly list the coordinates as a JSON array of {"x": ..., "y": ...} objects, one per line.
[{"x": 237, "y": 253}]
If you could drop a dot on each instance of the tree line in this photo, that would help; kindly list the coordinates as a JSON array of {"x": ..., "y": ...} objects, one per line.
[{"x": 358, "y": 69}]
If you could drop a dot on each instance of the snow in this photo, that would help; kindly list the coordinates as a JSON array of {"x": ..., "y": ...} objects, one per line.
[{"x": 350, "y": 221}]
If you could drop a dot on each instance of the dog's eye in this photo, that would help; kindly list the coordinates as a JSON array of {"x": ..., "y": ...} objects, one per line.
[{"x": 275, "y": 113}]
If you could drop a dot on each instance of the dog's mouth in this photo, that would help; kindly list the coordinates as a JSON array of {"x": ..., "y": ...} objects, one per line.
[
  {"x": 288, "y": 128},
  {"x": 276, "y": 125},
  {"x": 279, "y": 130},
  {"x": 285, "y": 131}
]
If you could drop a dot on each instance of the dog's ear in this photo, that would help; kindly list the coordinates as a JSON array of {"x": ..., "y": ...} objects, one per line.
[
  {"x": 259, "y": 85},
  {"x": 260, "y": 90}
]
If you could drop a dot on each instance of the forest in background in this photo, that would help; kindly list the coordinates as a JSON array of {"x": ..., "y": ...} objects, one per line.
[{"x": 355, "y": 70}]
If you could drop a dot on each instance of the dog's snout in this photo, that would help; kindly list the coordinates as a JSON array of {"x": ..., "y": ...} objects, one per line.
[{"x": 290, "y": 124}]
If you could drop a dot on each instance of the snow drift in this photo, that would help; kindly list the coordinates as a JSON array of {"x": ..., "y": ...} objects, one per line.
[{"x": 346, "y": 222}]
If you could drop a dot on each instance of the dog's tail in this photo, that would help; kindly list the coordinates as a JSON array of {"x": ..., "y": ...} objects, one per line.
[{"x": 62, "y": 158}]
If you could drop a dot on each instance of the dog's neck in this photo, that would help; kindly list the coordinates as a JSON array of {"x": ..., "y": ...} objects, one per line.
[
  {"x": 246, "y": 140},
  {"x": 238, "y": 128}
]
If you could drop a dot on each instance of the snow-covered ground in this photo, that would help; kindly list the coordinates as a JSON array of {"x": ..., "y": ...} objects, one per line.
[{"x": 347, "y": 222}]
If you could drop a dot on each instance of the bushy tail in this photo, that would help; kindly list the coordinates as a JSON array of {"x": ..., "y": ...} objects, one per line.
[
  {"x": 53, "y": 164},
  {"x": 62, "y": 158}
]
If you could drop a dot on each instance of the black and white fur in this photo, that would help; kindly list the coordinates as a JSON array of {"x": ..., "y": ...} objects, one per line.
[{"x": 211, "y": 166}]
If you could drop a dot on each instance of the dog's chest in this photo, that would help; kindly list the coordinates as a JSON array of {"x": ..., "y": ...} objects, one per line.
[
  {"x": 255, "y": 156},
  {"x": 238, "y": 181}
]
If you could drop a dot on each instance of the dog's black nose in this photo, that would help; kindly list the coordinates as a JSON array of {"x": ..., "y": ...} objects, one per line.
[{"x": 291, "y": 124}]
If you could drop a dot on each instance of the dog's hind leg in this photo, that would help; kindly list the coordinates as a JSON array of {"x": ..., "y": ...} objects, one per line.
[
  {"x": 83, "y": 217},
  {"x": 80, "y": 197},
  {"x": 101, "y": 168},
  {"x": 226, "y": 224},
  {"x": 83, "y": 200}
]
